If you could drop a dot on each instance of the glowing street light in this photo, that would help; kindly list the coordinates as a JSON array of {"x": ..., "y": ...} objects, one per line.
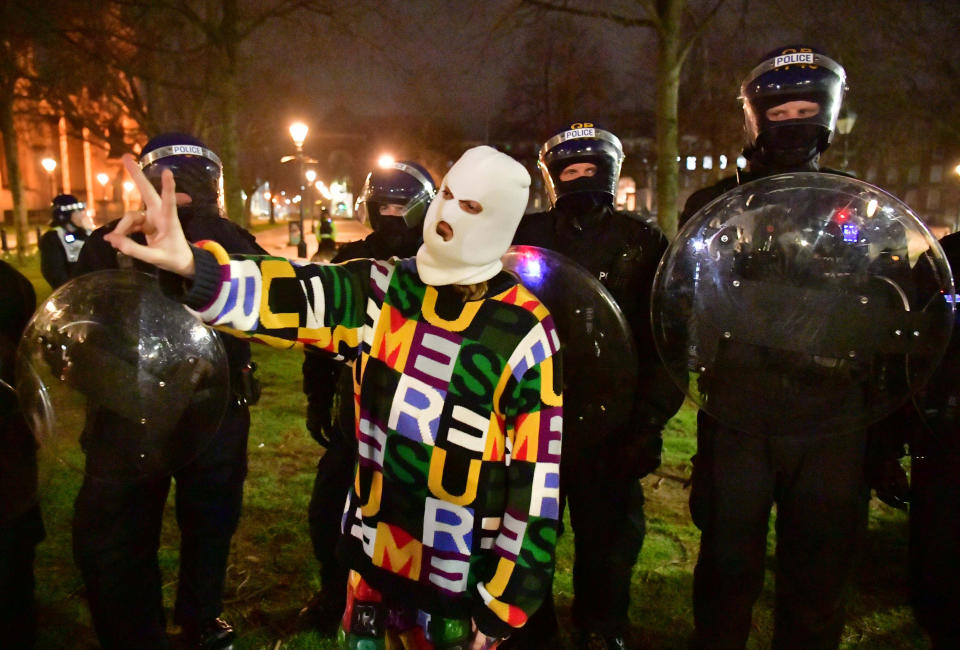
[
  {"x": 49, "y": 164},
  {"x": 310, "y": 175},
  {"x": 386, "y": 160},
  {"x": 103, "y": 179},
  {"x": 298, "y": 132}
]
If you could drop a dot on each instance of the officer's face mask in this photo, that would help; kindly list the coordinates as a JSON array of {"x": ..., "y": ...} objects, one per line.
[
  {"x": 789, "y": 144},
  {"x": 471, "y": 222}
]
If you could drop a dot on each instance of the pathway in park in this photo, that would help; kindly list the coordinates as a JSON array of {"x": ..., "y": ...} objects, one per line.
[{"x": 274, "y": 239}]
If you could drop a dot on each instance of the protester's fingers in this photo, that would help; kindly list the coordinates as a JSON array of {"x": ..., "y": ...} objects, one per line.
[
  {"x": 147, "y": 193},
  {"x": 131, "y": 248},
  {"x": 168, "y": 199},
  {"x": 130, "y": 222}
]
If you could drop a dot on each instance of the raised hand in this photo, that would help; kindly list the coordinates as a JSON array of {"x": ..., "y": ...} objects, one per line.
[{"x": 167, "y": 247}]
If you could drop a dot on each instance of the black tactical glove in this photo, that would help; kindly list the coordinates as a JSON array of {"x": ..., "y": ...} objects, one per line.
[
  {"x": 634, "y": 454},
  {"x": 888, "y": 479},
  {"x": 885, "y": 447}
]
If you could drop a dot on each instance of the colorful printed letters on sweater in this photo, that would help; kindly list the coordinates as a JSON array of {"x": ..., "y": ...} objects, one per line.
[{"x": 456, "y": 495}]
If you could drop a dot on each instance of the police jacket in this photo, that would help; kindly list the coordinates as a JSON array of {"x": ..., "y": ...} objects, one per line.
[
  {"x": 622, "y": 250},
  {"x": 705, "y": 195},
  {"x": 98, "y": 255},
  {"x": 321, "y": 373},
  {"x": 18, "y": 462},
  {"x": 59, "y": 251}
]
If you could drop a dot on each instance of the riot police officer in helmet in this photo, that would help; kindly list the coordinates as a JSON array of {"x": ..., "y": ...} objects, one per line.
[
  {"x": 581, "y": 169},
  {"x": 791, "y": 101},
  {"x": 60, "y": 246},
  {"x": 116, "y": 525},
  {"x": 393, "y": 201}
]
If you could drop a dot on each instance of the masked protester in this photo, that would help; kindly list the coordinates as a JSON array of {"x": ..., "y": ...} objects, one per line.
[
  {"x": 116, "y": 526},
  {"x": 60, "y": 246},
  {"x": 450, "y": 526},
  {"x": 393, "y": 201},
  {"x": 21, "y": 526},
  {"x": 791, "y": 101},
  {"x": 581, "y": 168}
]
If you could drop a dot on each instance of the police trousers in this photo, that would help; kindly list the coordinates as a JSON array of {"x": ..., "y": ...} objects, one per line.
[
  {"x": 819, "y": 486},
  {"x": 116, "y": 537}
]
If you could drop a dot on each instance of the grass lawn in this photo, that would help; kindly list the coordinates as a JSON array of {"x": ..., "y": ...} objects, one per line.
[{"x": 272, "y": 571}]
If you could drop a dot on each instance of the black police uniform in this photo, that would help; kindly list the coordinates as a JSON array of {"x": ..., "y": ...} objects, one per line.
[
  {"x": 59, "y": 251},
  {"x": 622, "y": 250},
  {"x": 21, "y": 527},
  {"x": 116, "y": 527},
  {"x": 820, "y": 488},
  {"x": 333, "y": 428},
  {"x": 935, "y": 492}
]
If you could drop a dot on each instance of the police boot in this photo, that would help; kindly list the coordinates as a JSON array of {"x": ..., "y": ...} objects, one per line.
[
  {"x": 323, "y": 611},
  {"x": 598, "y": 641},
  {"x": 212, "y": 634}
]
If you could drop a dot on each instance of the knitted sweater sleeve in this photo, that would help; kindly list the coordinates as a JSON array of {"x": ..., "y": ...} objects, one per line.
[
  {"x": 280, "y": 303},
  {"x": 532, "y": 404}
]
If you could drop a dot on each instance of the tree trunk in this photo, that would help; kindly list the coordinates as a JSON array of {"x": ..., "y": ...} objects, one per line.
[
  {"x": 231, "y": 108},
  {"x": 11, "y": 152},
  {"x": 228, "y": 152},
  {"x": 668, "y": 90}
]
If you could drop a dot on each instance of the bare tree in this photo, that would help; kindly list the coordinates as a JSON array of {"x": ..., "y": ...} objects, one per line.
[{"x": 677, "y": 26}]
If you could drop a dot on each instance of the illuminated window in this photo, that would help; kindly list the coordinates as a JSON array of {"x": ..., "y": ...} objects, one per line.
[
  {"x": 691, "y": 163},
  {"x": 741, "y": 162},
  {"x": 723, "y": 161},
  {"x": 708, "y": 162}
]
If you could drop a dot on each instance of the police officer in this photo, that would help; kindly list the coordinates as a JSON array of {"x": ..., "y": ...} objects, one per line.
[
  {"x": 791, "y": 101},
  {"x": 581, "y": 168},
  {"x": 116, "y": 526},
  {"x": 935, "y": 492},
  {"x": 21, "y": 527},
  {"x": 393, "y": 201},
  {"x": 60, "y": 246}
]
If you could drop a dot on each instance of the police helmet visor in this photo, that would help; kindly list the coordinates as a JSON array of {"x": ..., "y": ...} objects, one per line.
[
  {"x": 577, "y": 146},
  {"x": 196, "y": 169},
  {"x": 773, "y": 89},
  {"x": 399, "y": 184}
]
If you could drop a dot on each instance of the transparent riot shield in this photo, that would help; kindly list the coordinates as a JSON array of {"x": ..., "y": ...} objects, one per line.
[
  {"x": 802, "y": 303},
  {"x": 119, "y": 381},
  {"x": 599, "y": 355}
]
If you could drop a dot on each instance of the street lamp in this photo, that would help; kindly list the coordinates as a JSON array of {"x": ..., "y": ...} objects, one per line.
[
  {"x": 844, "y": 126},
  {"x": 103, "y": 179},
  {"x": 298, "y": 132},
  {"x": 49, "y": 164}
]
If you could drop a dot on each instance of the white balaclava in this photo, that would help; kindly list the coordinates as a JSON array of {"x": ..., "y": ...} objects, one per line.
[{"x": 501, "y": 186}]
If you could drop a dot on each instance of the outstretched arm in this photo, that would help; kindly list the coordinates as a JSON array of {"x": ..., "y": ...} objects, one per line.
[{"x": 167, "y": 247}]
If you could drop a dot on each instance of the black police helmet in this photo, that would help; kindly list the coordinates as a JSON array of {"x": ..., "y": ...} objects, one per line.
[
  {"x": 405, "y": 183},
  {"x": 196, "y": 170},
  {"x": 581, "y": 142},
  {"x": 789, "y": 74},
  {"x": 64, "y": 205}
]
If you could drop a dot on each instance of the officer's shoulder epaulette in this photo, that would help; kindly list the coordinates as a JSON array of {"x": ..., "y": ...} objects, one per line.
[
  {"x": 644, "y": 217},
  {"x": 838, "y": 172}
]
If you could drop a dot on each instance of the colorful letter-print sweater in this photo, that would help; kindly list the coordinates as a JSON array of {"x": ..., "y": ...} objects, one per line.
[{"x": 458, "y": 418}]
